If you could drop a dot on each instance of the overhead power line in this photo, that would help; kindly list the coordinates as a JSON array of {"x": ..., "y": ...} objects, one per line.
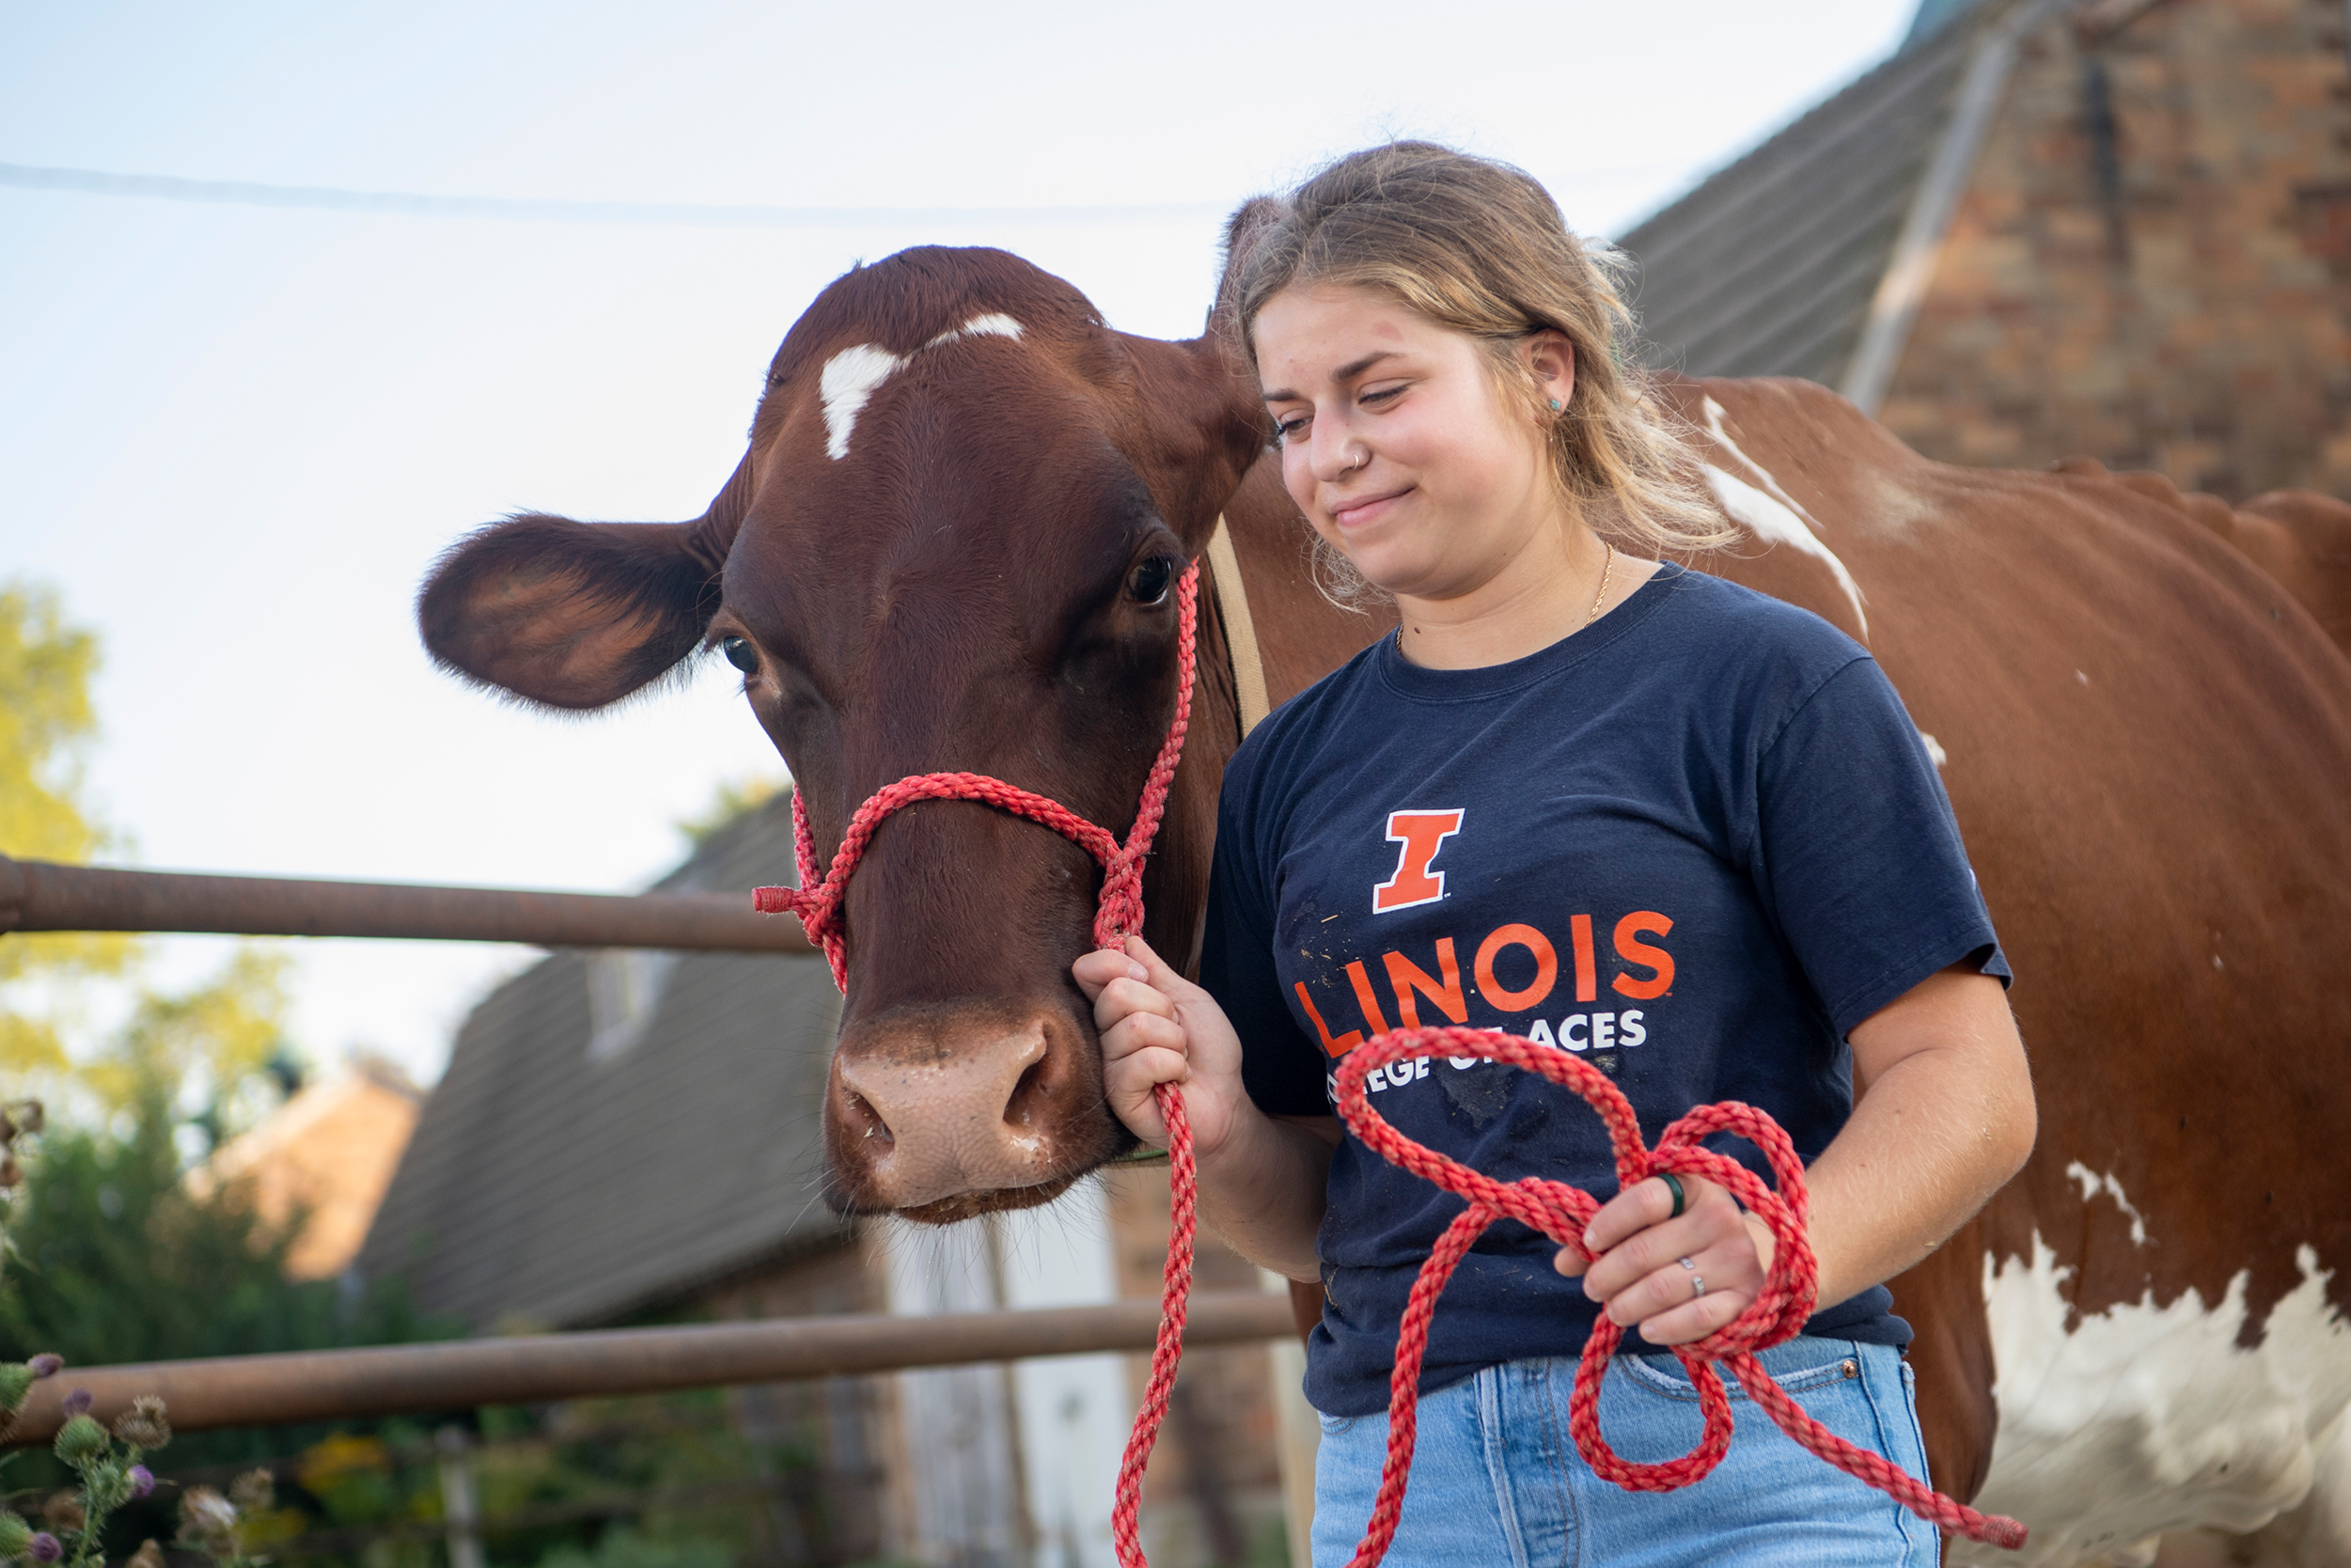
[{"x": 242, "y": 193}]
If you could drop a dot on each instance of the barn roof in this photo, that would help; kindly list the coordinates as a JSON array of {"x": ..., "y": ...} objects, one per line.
[
  {"x": 1770, "y": 265},
  {"x": 618, "y": 1129}
]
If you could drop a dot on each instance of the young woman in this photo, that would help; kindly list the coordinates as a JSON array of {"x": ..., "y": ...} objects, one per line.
[{"x": 1597, "y": 799}]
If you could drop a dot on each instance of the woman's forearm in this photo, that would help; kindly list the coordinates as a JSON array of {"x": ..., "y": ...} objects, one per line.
[
  {"x": 1263, "y": 1191},
  {"x": 1945, "y": 1120}
]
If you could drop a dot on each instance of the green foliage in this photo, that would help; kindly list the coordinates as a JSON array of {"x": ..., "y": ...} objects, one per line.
[
  {"x": 118, "y": 1261},
  {"x": 657, "y": 1483},
  {"x": 623, "y": 1548},
  {"x": 205, "y": 1044},
  {"x": 209, "y": 1041},
  {"x": 46, "y": 723}
]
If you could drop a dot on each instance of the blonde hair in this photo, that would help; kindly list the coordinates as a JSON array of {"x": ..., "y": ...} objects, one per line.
[{"x": 1481, "y": 247}]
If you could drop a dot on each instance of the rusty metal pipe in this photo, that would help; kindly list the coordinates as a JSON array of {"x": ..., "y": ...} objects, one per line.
[
  {"x": 390, "y": 1380},
  {"x": 36, "y": 895}
]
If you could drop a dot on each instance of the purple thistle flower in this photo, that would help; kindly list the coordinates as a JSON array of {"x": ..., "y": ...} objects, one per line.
[
  {"x": 142, "y": 1482},
  {"x": 45, "y": 1548},
  {"x": 78, "y": 1403},
  {"x": 47, "y": 1364}
]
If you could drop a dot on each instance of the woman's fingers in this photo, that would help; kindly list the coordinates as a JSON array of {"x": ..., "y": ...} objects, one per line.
[
  {"x": 1676, "y": 1278},
  {"x": 1159, "y": 974},
  {"x": 1695, "y": 1319},
  {"x": 1638, "y": 1207},
  {"x": 1095, "y": 970},
  {"x": 1729, "y": 1269}
]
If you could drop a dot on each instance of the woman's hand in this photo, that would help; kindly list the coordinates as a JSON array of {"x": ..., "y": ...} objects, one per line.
[
  {"x": 1158, "y": 1027},
  {"x": 1633, "y": 1252}
]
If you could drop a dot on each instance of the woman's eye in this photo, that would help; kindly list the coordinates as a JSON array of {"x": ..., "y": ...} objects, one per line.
[
  {"x": 740, "y": 653},
  {"x": 1148, "y": 583},
  {"x": 1383, "y": 394},
  {"x": 1285, "y": 428}
]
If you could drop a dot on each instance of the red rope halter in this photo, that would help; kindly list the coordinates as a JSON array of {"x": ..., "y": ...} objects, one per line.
[
  {"x": 1560, "y": 1212},
  {"x": 1554, "y": 1208},
  {"x": 1120, "y": 911}
]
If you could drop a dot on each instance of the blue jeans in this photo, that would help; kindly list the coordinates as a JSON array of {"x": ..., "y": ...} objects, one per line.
[{"x": 1496, "y": 1478}]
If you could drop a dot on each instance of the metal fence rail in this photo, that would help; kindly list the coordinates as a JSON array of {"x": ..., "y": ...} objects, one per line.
[
  {"x": 391, "y": 1380},
  {"x": 37, "y": 895}
]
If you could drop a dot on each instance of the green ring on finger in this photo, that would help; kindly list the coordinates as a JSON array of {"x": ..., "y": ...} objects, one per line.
[{"x": 1673, "y": 1185}]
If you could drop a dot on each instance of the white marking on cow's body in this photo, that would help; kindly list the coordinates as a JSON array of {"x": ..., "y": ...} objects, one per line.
[
  {"x": 2092, "y": 1183},
  {"x": 1935, "y": 749},
  {"x": 2146, "y": 1419},
  {"x": 1770, "y": 512},
  {"x": 851, "y": 376}
]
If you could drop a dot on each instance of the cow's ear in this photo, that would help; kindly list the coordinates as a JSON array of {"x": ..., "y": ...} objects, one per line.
[
  {"x": 570, "y": 615},
  {"x": 1243, "y": 230}
]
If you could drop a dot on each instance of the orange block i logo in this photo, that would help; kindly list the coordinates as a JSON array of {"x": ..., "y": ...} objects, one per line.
[{"x": 1419, "y": 836}]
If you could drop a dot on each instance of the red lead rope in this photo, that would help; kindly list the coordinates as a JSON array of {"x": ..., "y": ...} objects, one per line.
[
  {"x": 1557, "y": 1210},
  {"x": 1560, "y": 1212}
]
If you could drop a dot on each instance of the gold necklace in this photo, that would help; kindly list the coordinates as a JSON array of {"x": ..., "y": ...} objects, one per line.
[{"x": 1607, "y": 566}]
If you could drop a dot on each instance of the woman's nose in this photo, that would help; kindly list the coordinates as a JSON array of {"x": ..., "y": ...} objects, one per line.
[{"x": 1336, "y": 452}]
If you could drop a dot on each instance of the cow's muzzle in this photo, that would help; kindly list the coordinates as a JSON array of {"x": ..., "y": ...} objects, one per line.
[{"x": 982, "y": 1105}]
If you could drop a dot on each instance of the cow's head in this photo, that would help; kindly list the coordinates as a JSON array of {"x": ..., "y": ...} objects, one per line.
[{"x": 950, "y": 546}]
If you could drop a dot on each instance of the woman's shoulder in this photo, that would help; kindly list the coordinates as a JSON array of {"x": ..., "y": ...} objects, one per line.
[
  {"x": 1704, "y": 605},
  {"x": 1719, "y": 638}
]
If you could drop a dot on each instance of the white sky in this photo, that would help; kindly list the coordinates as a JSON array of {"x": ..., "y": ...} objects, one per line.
[{"x": 235, "y": 437}]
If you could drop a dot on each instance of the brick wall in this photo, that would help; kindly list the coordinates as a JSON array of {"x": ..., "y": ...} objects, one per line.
[{"x": 2151, "y": 263}]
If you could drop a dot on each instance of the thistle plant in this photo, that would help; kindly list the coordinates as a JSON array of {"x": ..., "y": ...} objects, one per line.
[
  {"x": 107, "y": 1466},
  {"x": 105, "y": 1463}
]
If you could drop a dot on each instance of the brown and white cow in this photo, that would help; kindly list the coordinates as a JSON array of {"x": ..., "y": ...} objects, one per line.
[{"x": 945, "y": 550}]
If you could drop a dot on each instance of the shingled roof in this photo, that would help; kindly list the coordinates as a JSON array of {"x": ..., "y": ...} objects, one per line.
[
  {"x": 616, "y": 1129},
  {"x": 1768, "y": 268}
]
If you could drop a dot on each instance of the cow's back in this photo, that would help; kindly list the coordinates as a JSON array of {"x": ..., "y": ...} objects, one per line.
[{"x": 2146, "y": 738}]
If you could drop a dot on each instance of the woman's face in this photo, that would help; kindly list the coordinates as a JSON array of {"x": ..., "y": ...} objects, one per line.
[{"x": 1398, "y": 447}]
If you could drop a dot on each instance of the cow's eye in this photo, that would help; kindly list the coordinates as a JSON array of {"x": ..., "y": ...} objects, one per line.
[
  {"x": 740, "y": 653},
  {"x": 1148, "y": 583}
]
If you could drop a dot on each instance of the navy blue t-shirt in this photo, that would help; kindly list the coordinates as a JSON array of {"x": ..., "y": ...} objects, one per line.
[{"x": 1700, "y": 839}]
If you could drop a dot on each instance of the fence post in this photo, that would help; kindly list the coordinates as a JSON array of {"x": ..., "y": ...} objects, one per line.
[{"x": 458, "y": 1507}]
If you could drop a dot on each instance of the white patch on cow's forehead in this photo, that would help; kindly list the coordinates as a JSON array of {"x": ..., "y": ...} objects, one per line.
[
  {"x": 851, "y": 376},
  {"x": 2093, "y": 1183},
  {"x": 1770, "y": 512},
  {"x": 2143, "y": 1419}
]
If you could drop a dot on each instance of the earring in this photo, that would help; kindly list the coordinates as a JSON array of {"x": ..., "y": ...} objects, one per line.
[{"x": 1556, "y": 405}]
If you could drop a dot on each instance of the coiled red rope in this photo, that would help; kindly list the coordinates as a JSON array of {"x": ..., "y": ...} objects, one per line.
[
  {"x": 1560, "y": 1212},
  {"x": 1554, "y": 1208},
  {"x": 1118, "y": 915}
]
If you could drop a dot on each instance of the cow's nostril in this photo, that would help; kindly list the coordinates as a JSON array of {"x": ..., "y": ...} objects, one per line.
[
  {"x": 864, "y": 1118},
  {"x": 1027, "y": 1101}
]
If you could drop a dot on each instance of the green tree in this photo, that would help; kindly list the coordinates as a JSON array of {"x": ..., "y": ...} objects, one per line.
[{"x": 46, "y": 724}]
